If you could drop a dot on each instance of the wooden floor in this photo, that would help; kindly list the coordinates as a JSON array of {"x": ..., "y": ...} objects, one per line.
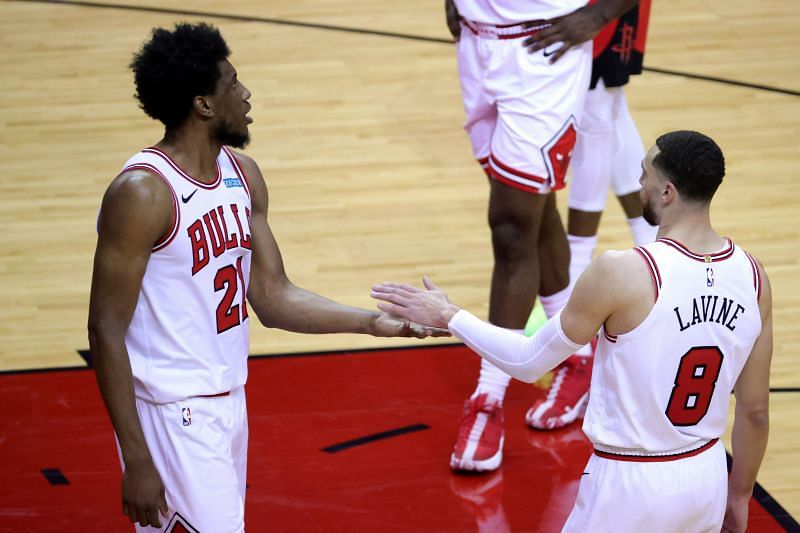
[{"x": 371, "y": 177}]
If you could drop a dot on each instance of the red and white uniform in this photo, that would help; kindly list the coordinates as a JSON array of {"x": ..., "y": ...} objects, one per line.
[
  {"x": 188, "y": 345},
  {"x": 521, "y": 111},
  {"x": 661, "y": 392},
  {"x": 190, "y": 331},
  {"x": 515, "y": 11}
]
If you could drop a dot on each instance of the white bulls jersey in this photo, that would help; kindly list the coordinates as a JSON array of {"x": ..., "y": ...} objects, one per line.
[
  {"x": 189, "y": 335},
  {"x": 665, "y": 386},
  {"x": 515, "y": 11}
]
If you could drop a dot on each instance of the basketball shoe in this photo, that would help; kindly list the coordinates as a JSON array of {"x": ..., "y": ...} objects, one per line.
[
  {"x": 479, "y": 446},
  {"x": 568, "y": 395}
]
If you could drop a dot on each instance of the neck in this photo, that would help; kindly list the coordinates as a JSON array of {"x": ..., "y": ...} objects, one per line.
[
  {"x": 193, "y": 150},
  {"x": 691, "y": 227}
]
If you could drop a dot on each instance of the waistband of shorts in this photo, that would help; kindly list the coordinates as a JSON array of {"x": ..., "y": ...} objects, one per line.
[
  {"x": 217, "y": 395},
  {"x": 641, "y": 456},
  {"x": 498, "y": 31}
]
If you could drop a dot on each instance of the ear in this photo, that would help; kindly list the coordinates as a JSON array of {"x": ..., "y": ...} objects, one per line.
[
  {"x": 203, "y": 106},
  {"x": 668, "y": 193}
]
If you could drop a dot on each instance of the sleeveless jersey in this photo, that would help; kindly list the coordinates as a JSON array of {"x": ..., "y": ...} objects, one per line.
[
  {"x": 664, "y": 387},
  {"x": 618, "y": 49},
  {"x": 510, "y": 12},
  {"x": 189, "y": 335}
]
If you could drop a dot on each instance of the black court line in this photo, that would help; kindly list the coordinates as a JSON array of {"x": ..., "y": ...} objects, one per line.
[
  {"x": 54, "y": 476},
  {"x": 366, "y": 31},
  {"x": 770, "y": 505},
  {"x": 346, "y": 445}
]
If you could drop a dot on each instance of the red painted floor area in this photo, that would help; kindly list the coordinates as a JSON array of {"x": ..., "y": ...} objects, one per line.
[{"x": 298, "y": 406}]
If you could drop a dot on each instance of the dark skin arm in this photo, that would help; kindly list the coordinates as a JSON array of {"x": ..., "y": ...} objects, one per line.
[
  {"x": 453, "y": 19},
  {"x": 579, "y": 26},
  {"x": 136, "y": 212},
  {"x": 279, "y": 303}
]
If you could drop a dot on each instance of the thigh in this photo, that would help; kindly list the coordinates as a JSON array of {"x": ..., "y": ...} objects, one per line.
[
  {"x": 192, "y": 442},
  {"x": 591, "y": 161},
  {"x": 480, "y": 111},
  {"x": 626, "y": 166},
  {"x": 538, "y": 104}
]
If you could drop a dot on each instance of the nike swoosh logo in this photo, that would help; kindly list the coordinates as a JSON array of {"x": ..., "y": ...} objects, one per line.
[
  {"x": 545, "y": 53},
  {"x": 185, "y": 199}
]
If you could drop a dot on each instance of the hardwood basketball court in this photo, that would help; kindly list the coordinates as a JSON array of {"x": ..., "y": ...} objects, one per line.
[{"x": 358, "y": 133}]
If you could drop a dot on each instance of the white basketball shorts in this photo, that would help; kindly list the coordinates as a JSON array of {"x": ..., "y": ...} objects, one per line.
[
  {"x": 688, "y": 494},
  {"x": 609, "y": 150},
  {"x": 199, "y": 447},
  {"x": 522, "y": 111}
]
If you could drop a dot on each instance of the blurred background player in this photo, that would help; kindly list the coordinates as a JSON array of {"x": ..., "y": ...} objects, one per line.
[
  {"x": 608, "y": 152},
  {"x": 524, "y": 69}
]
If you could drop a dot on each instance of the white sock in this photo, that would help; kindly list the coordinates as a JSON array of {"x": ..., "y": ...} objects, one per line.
[
  {"x": 554, "y": 303},
  {"x": 492, "y": 379},
  {"x": 641, "y": 231},
  {"x": 581, "y": 250}
]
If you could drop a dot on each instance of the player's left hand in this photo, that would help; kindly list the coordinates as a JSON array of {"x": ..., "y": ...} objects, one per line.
[
  {"x": 429, "y": 306},
  {"x": 736, "y": 514},
  {"x": 569, "y": 30}
]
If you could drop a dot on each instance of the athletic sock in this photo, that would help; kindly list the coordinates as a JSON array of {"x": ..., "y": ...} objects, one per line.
[
  {"x": 641, "y": 231},
  {"x": 581, "y": 250},
  {"x": 554, "y": 303},
  {"x": 492, "y": 379}
]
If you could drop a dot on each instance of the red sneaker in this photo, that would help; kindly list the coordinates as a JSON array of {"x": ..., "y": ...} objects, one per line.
[
  {"x": 479, "y": 447},
  {"x": 568, "y": 394}
]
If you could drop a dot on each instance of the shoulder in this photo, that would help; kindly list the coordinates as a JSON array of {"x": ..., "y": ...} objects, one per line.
[
  {"x": 618, "y": 276},
  {"x": 137, "y": 201},
  {"x": 138, "y": 187},
  {"x": 763, "y": 286},
  {"x": 623, "y": 265},
  {"x": 253, "y": 175}
]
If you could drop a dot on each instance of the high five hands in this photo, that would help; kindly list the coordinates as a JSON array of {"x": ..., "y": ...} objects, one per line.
[{"x": 428, "y": 307}]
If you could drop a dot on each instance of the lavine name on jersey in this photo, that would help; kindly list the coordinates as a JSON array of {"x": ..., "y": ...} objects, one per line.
[
  {"x": 210, "y": 234},
  {"x": 721, "y": 310}
]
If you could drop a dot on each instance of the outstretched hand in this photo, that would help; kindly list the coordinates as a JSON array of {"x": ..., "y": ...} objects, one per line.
[
  {"x": 429, "y": 307},
  {"x": 569, "y": 30},
  {"x": 387, "y": 325}
]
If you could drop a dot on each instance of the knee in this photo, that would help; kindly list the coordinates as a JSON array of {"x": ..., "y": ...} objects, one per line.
[{"x": 512, "y": 240}]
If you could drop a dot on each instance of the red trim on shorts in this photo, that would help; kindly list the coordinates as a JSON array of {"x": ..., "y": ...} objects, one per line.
[
  {"x": 515, "y": 172},
  {"x": 718, "y": 256},
  {"x": 179, "y": 170},
  {"x": 609, "y": 337},
  {"x": 511, "y": 183},
  {"x": 756, "y": 275},
  {"x": 519, "y": 35},
  {"x": 655, "y": 458},
  {"x": 218, "y": 395},
  {"x": 654, "y": 273},
  {"x": 169, "y": 236}
]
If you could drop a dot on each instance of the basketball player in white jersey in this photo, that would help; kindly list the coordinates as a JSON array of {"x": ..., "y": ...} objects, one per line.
[
  {"x": 183, "y": 241},
  {"x": 684, "y": 321},
  {"x": 608, "y": 153},
  {"x": 524, "y": 70}
]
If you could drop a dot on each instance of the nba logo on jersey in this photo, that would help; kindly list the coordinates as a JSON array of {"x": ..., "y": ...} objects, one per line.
[
  {"x": 187, "y": 416},
  {"x": 709, "y": 277}
]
